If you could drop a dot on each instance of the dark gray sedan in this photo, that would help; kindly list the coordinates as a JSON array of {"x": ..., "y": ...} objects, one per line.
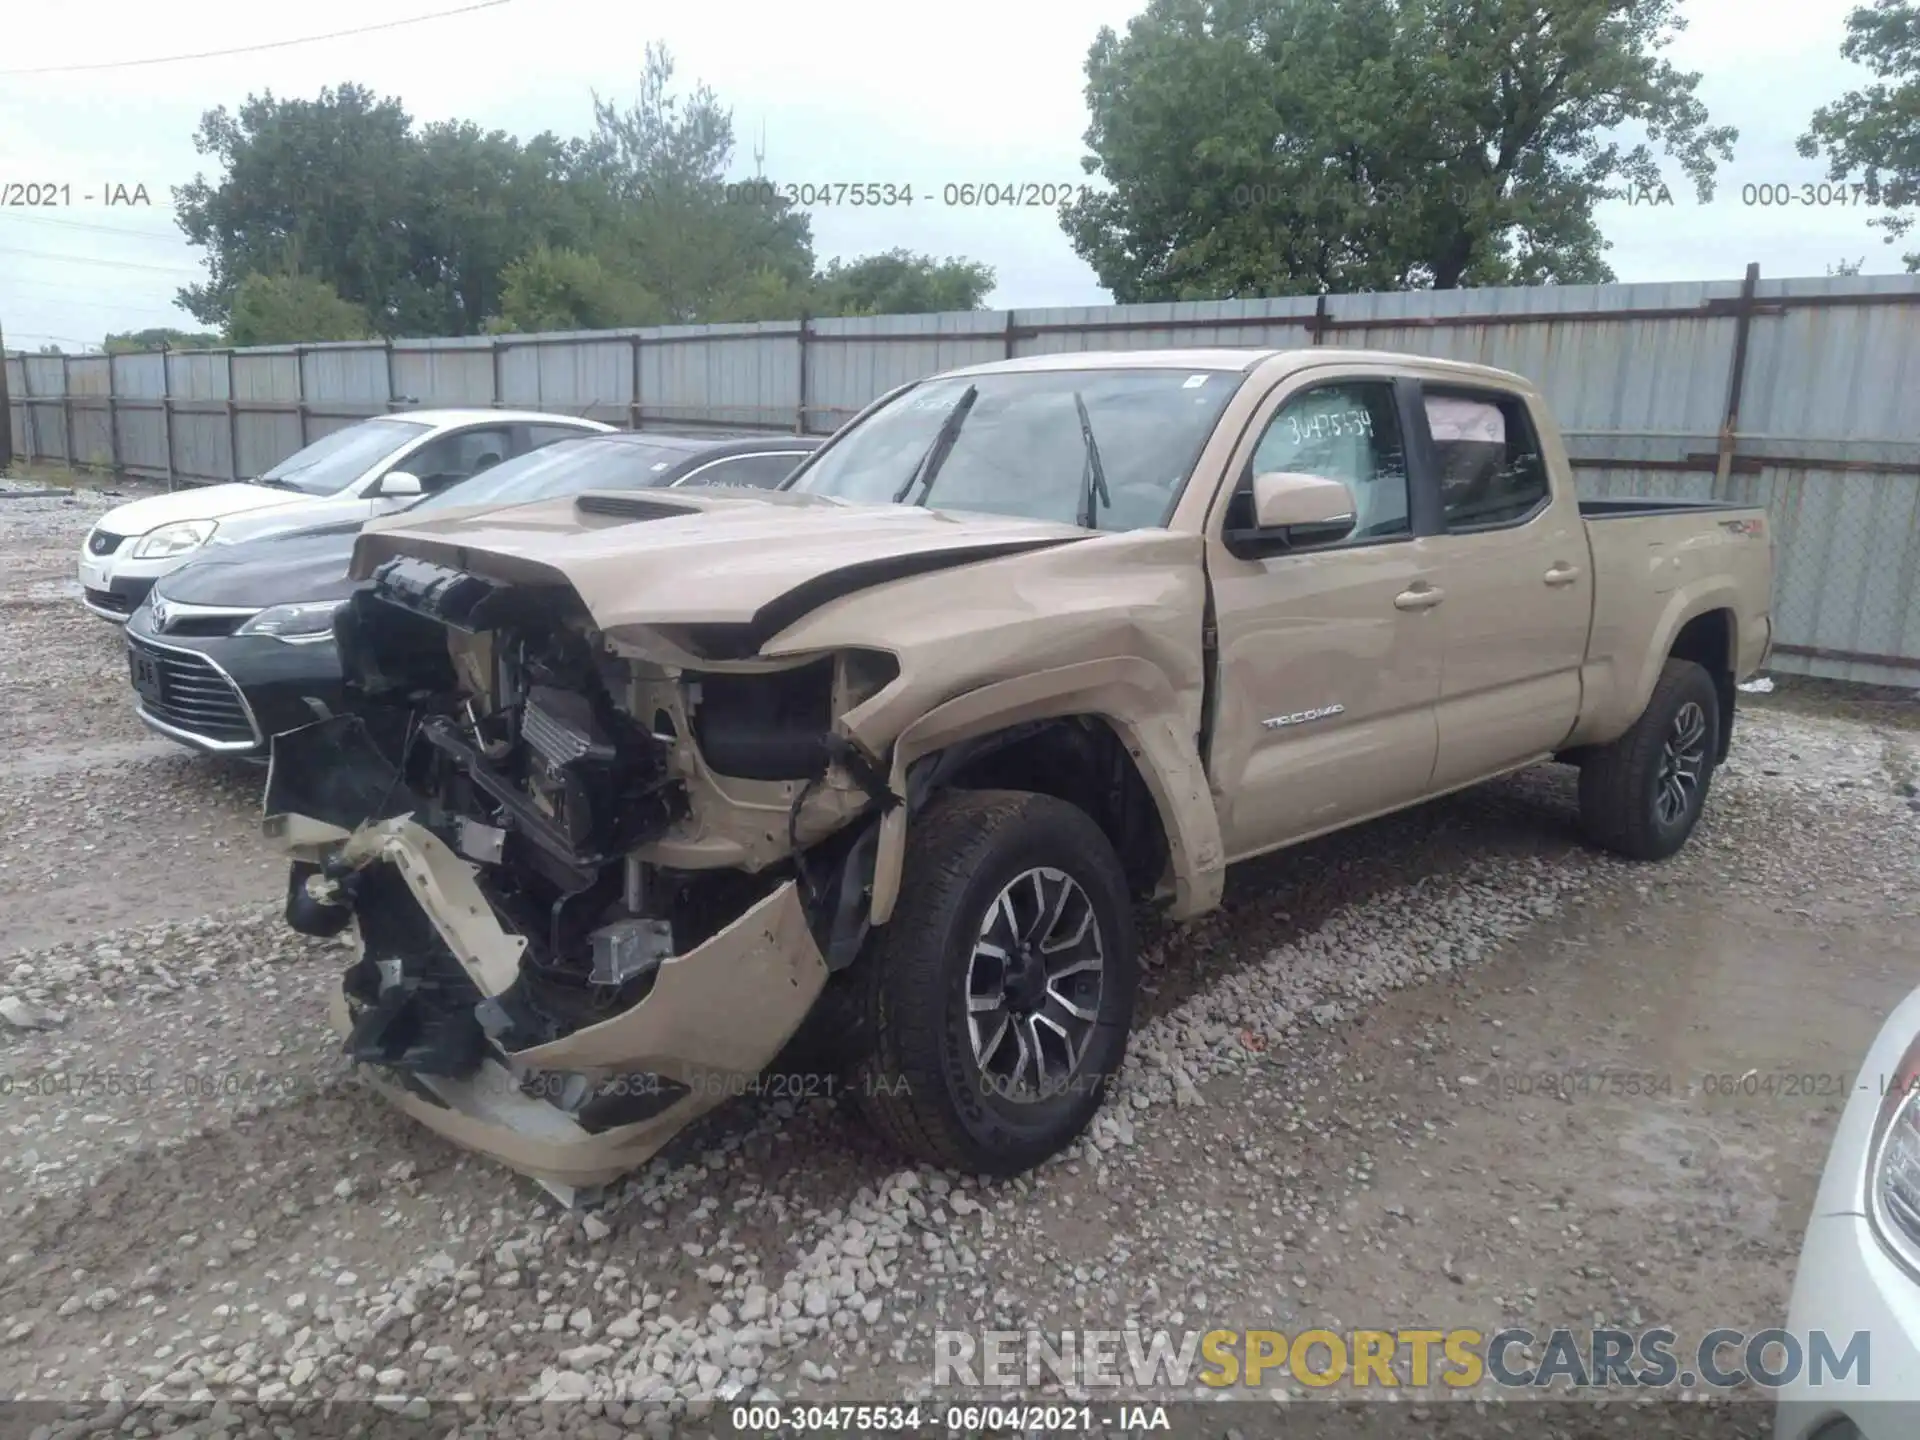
[{"x": 237, "y": 646}]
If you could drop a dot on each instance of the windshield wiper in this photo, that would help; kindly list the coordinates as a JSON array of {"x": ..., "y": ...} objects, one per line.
[
  {"x": 938, "y": 451},
  {"x": 1093, "y": 479}
]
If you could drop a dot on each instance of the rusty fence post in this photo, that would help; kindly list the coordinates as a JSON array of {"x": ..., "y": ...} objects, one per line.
[
  {"x": 1736, "y": 381},
  {"x": 633, "y": 398},
  {"x": 800, "y": 404},
  {"x": 113, "y": 417},
  {"x": 6, "y": 411},
  {"x": 28, "y": 429},
  {"x": 66, "y": 409},
  {"x": 300, "y": 391},
  {"x": 166, "y": 411},
  {"x": 233, "y": 424}
]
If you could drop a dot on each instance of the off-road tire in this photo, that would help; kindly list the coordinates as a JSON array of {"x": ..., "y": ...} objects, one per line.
[
  {"x": 920, "y": 1087},
  {"x": 1620, "y": 782}
]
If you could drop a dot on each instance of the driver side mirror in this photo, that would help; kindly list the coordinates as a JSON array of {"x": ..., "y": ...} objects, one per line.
[
  {"x": 399, "y": 484},
  {"x": 1293, "y": 509}
]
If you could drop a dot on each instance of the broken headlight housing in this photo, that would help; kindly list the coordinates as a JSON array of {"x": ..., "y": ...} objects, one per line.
[
  {"x": 1893, "y": 1171},
  {"x": 302, "y": 624}
]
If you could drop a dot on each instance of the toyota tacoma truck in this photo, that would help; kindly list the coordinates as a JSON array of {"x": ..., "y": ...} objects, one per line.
[{"x": 877, "y": 768}]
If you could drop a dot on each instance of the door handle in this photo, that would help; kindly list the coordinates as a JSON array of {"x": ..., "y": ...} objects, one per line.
[
  {"x": 1420, "y": 597},
  {"x": 1562, "y": 574}
]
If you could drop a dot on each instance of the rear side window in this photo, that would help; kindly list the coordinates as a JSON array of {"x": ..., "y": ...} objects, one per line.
[
  {"x": 1490, "y": 467},
  {"x": 758, "y": 472}
]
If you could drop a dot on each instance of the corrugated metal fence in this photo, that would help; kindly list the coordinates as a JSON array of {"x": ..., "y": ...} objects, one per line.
[{"x": 1800, "y": 395}]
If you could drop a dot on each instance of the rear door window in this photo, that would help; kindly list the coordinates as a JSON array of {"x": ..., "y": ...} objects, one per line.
[
  {"x": 758, "y": 472},
  {"x": 1489, "y": 462}
]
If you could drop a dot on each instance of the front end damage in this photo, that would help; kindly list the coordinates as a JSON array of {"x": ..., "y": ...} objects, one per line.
[{"x": 596, "y": 888}]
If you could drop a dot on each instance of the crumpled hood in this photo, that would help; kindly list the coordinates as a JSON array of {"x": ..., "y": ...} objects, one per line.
[{"x": 654, "y": 559}]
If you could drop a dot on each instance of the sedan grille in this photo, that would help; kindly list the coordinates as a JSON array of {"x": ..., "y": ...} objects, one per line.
[
  {"x": 184, "y": 690},
  {"x": 109, "y": 600},
  {"x": 104, "y": 542}
]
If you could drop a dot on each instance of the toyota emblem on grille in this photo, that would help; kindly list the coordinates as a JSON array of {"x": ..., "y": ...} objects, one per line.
[{"x": 160, "y": 615}]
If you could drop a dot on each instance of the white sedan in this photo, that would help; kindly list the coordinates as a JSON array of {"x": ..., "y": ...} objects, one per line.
[
  {"x": 1859, "y": 1270},
  {"x": 369, "y": 468}
]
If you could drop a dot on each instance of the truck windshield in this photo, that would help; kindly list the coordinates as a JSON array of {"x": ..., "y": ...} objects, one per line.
[
  {"x": 333, "y": 462},
  {"x": 1021, "y": 449}
]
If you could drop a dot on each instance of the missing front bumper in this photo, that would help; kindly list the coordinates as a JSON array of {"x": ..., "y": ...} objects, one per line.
[{"x": 712, "y": 1020}]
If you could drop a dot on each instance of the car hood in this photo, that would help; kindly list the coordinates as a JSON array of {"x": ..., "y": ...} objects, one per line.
[
  {"x": 303, "y": 512},
  {"x": 283, "y": 569},
  {"x": 206, "y": 502},
  {"x": 649, "y": 560}
]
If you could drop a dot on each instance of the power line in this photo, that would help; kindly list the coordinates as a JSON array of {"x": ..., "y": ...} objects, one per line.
[
  {"x": 54, "y": 287},
  {"x": 65, "y": 304},
  {"x": 41, "y": 335},
  {"x": 251, "y": 49},
  {"x": 89, "y": 260},
  {"x": 174, "y": 238}
]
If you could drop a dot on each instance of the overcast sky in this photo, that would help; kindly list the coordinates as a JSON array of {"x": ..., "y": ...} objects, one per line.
[{"x": 845, "y": 90}]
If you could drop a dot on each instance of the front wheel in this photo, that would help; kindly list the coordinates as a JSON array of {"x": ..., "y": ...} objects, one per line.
[
  {"x": 1001, "y": 990},
  {"x": 1641, "y": 795}
]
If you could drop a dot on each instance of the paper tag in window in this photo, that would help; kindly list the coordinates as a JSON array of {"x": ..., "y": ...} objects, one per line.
[{"x": 1194, "y": 382}]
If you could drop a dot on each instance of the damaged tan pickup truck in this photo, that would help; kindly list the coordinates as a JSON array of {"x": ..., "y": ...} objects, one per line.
[{"x": 882, "y": 761}]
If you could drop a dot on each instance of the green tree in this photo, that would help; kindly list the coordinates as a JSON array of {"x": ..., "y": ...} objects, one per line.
[
  {"x": 159, "y": 337},
  {"x": 415, "y": 227},
  {"x": 898, "y": 282},
  {"x": 448, "y": 229},
  {"x": 322, "y": 186},
  {"x": 1257, "y": 147},
  {"x": 291, "y": 310},
  {"x": 670, "y": 221},
  {"x": 481, "y": 200},
  {"x": 767, "y": 294},
  {"x": 1874, "y": 133},
  {"x": 565, "y": 290}
]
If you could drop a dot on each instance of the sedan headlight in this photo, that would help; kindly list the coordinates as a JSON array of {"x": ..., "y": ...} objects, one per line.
[
  {"x": 175, "y": 539},
  {"x": 303, "y": 624},
  {"x": 1893, "y": 1176}
]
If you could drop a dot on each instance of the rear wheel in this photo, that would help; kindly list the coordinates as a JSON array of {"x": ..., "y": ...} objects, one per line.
[
  {"x": 1642, "y": 795},
  {"x": 1001, "y": 990}
]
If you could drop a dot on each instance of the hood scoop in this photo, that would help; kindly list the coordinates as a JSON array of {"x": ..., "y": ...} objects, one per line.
[{"x": 630, "y": 507}]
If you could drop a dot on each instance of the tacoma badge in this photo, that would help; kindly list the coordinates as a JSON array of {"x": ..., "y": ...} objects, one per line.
[{"x": 1300, "y": 717}]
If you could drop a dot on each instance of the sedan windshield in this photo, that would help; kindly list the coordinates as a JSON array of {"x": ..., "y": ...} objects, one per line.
[
  {"x": 1020, "y": 447},
  {"x": 565, "y": 467},
  {"x": 333, "y": 462}
]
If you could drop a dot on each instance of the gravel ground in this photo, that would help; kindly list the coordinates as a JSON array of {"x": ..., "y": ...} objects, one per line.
[{"x": 1329, "y": 1114}]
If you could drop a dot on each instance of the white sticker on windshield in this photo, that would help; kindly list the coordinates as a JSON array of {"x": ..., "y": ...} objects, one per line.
[
  {"x": 664, "y": 464},
  {"x": 1194, "y": 382}
]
